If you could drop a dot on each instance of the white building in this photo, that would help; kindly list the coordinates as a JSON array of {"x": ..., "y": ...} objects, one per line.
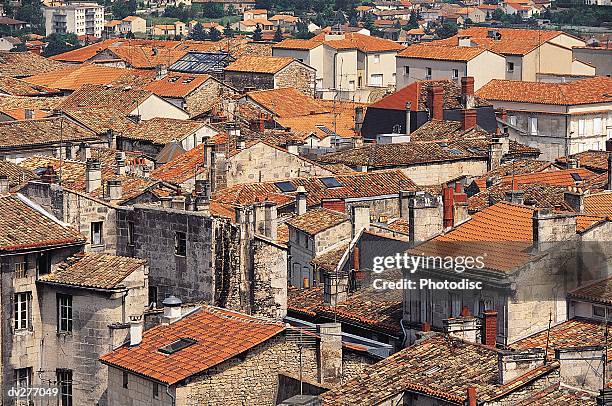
[{"x": 77, "y": 18}]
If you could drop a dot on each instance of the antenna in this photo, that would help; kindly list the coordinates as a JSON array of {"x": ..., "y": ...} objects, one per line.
[
  {"x": 303, "y": 337},
  {"x": 547, "y": 338}
]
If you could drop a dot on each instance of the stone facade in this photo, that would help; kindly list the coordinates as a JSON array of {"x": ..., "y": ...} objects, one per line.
[
  {"x": 207, "y": 97},
  {"x": 295, "y": 75}
]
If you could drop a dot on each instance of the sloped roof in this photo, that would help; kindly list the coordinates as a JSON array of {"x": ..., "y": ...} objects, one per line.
[
  {"x": 317, "y": 220},
  {"x": 170, "y": 152},
  {"x": 21, "y": 64},
  {"x": 259, "y": 64},
  {"x": 15, "y": 134},
  {"x": 443, "y": 53},
  {"x": 596, "y": 161},
  {"x": 176, "y": 84},
  {"x": 597, "y": 89},
  {"x": 94, "y": 270},
  {"x": 122, "y": 98},
  {"x": 219, "y": 335},
  {"x": 286, "y": 102},
  {"x": 18, "y": 87},
  {"x": 16, "y": 174},
  {"x": 599, "y": 204},
  {"x": 558, "y": 394},
  {"x": 161, "y": 131},
  {"x": 351, "y": 40},
  {"x": 598, "y": 292}
]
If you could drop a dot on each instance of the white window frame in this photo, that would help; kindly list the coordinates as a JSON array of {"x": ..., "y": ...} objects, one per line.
[
  {"x": 376, "y": 83},
  {"x": 581, "y": 126},
  {"x": 376, "y": 58},
  {"x": 21, "y": 313},
  {"x": 97, "y": 238},
  {"x": 533, "y": 125},
  {"x": 512, "y": 120},
  {"x": 64, "y": 320},
  {"x": 64, "y": 382},
  {"x": 455, "y": 73},
  {"x": 428, "y": 73},
  {"x": 597, "y": 126}
]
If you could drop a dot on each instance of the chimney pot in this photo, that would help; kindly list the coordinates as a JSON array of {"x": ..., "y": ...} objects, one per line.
[
  {"x": 4, "y": 185},
  {"x": 113, "y": 189},
  {"x": 436, "y": 104},
  {"x": 93, "y": 175},
  {"x": 172, "y": 309},
  {"x": 136, "y": 327},
  {"x": 300, "y": 200}
]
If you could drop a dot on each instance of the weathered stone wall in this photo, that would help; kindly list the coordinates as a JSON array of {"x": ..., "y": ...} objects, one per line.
[
  {"x": 242, "y": 80},
  {"x": 206, "y": 97},
  {"x": 332, "y": 237},
  {"x": 270, "y": 279},
  {"x": 439, "y": 173},
  {"x": 138, "y": 393},
  {"x": 297, "y": 76}
]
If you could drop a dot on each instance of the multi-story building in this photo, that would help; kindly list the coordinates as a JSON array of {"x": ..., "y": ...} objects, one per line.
[{"x": 77, "y": 18}]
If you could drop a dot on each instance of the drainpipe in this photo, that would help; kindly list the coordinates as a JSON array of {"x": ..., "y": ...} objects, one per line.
[{"x": 171, "y": 397}]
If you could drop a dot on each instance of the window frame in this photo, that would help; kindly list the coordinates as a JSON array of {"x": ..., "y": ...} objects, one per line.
[
  {"x": 64, "y": 323},
  {"x": 155, "y": 390},
  {"x": 130, "y": 233},
  {"x": 64, "y": 382},
  {"x": 533, "y": 130},
  {"x": 428, "y": 73},
  {"x": 376, "y": 58},
  {"x": 406, "y": 70},
  {"x": 599, "y": 308},
  {"x": 455, "y": 73},
  {"x": 180, "y": 244},
  {"x": 598, "y": 129},
  {"x": 22, "y": 304},
  {"x": 510, "y": 67},
  {"x": 581, "y": 126},
  {"x": 100, "y": 239},
  {"x": 125, "y": 381},
  {"x": 512, "y": 120}
]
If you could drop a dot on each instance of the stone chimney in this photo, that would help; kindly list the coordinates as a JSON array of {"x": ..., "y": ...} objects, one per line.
[
  {"x": 464, "y": 327},
  {"x": 513, "y": 364},
  {"x": 408, "y": 107},
  {"x": 112, "y": 139},
  {"x": 609, "y": 185},
  {"x": 436, "y": 102},
  {"x": 113, "y": 189},
  {"x": 330, "y": 352},
  {"x": 424, "y": 217},
  {"x": 468, "y": 119},
  {"x": 515, "y": 196},
  {"x": 460, "y": 208},
  {"x": 93, "y": 175},
  {"x": 29, "y": 114},
  {"x": 172, "y": 309},
  {"x": 335, "y": 287},
  {"x": 489, "y": 328},
  {"x": 404, "y": 199},
  {"x": 271, "y": 221},
  {"x": 300, "y": 201},
  {"x": 582, "y": 367},
  {"x": 136, "y": 327},
  {"x": 575, "y": 199},
  {"x": 467, "y": 92},
  {"x": 360, "y": 218},
  {"x": 218, "y": 169},
  {"x": 293, "y": 147},
  {"x": 202, "y": 198},
  {"x": 84, "y": 152},
  {"x": 572, "y": 163},
  {"x": 549, "y": 228},
  {"x": 464, "y": 41},
  {"x": 120, "y": 163},
  {"x": 495, "y": 154},
  {"x": 4, "y": 185},
  {"x": 178, "y": 202},
  {"x": 358, "y": 119}
]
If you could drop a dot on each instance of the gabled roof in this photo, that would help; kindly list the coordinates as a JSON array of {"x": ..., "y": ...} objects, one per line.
[
  {"x": 563, "y": 177},
  {"x": 94, "y": 270},
  {"x": 534, "y": 194},
  {"x": 219, "y": 335},
  {"x": 16, "y": 174},
  {"x": 557, "y": 394},
  {"x": 443, "y": 53},
  {"x": 597, "y": 89},
  {"x": 598, "y": 292},
  {"x": 21, "y": 64},
  {"x": 596, "y": 161},
  {"x": 18, "y": 87},
  {"x": 16, "y": 134},
  {"x": 317, "y": 220},
  {"x": 161, "y": 130},
  {"x": 176, "y": 84},
  {"x": 516, "y": 167},
  {"x": 599, "y": 204},
  {"x": 286, "y": 102},
  {"x": 321, "y": 125},
  {"x": 259, "y": 64},
  {"x": 23, "y": 227},
  {"x": 122, "y": 98},
  {"x": 100, "y": 119},
  {"x": 351, "y": 40}
]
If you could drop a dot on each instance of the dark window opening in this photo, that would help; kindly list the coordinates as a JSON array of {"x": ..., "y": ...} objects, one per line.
[
  {"x": 178, "y": 345},
  {"x": 64, "y": 313},
  {"x": 64, "y": 381},
  {"x": 96, "y": 233},
  {"x": 180, "y": 244}
]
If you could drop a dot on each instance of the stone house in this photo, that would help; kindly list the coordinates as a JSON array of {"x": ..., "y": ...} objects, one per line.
[
  {"x": 215, "y": 355},
  {"x": 537, "y": 118},
  {"x": 196, "y": 94},
  {"x": 133, "y": 24},
  {"x": 270, "y": 72}
]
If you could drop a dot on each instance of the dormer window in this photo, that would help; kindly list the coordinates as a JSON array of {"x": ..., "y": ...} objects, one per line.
[{"x": 177, "y": 345}]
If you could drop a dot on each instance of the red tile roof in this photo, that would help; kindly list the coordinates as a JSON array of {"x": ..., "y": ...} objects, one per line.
[
  {"x": 15, "y": 134},
  {"x": 176, "y": 85},
  {"x": 598, "y": 292},
  {"x": 18, "y": 87},
  {"x": 553, "y": 177},
  {"x": 286, "y": 102},
  {"x": 161, "y": 131},
  {"x": 584, "y": 91},
  {"x": 122, "y": 98},
  {"x": 599, "y": 204},
  {"x": 596, "y": 161},
  {"x": 259, "y": 64},
  {"x": 443, "y": 53},
  {"x": 219, "y": 335},
  {"x": 351, "y": 40},
  {"x": 21, "y": 64},
  {"x": 557, "y": 394},
  {"x": 315, "y": 221}
]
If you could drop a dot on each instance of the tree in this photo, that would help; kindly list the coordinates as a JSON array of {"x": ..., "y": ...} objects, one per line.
[
  {"x": 130, "y": 35},
  {"x": 231, "y": 10},
  {"x": 228, "y": 31},
  {"x": 413, "y": 21},
  {"x": 197, "y": 33},
  {"x": 214, "y": 34},
  {"x": 498, "y": 13},
  {"x": 278, "y": 35},
  {"x": 257, "y": 34},
  {"x": 468, "y": 21},
  {"x": 302, "y": 31},
  {"x": 30, "y": 11},
  {"x": 123, "y": 8},
  {"x": 447, "y": 30},
  {"x": 57, "y": 44},
  {"x": 212, "y": 10}
]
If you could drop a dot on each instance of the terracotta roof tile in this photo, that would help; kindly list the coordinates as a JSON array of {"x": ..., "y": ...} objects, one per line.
[
  {"x": 16, "y": 174},
  {"x": 8, "y": 103},
  {"x": 219, "y": 335},
  {"x": 320, "y": 125},
  {"x": 315, "y": 221},
  {"x": 23, "y": 227},
  {"x": 161, "y": 131},
  {"x": 148, "y": 57},
  {"x": 259, "y": 64},
  {"x": 94, "y": 270},
  {"x": 351, "y": 40},
  {"x": 583, "y": 91},
  {"x": 122, "y": 98},
  {"x": 19, "y": 87},
  {"x": 15, "y": 134},
  {"x": 596, "y": 161},
  {"x": 100, "y": 119},
  {"x": 444, "y": 53},
  {"x": 557, "y": 394},
  {"x": 286, "y": 102},
  {"x": 21, "y": 64},
  {"x": 564, "y": 177},
  {"x": 534, "y": 194},
  {"x": 176, "y": 84},
  {"x": 516, "y": 167}
]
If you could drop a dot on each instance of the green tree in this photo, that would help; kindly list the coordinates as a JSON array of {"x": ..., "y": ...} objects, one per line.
[
  {"x": 447, "y": 30},
  {"x": 212, "y": 10},
  {"x": 228, "y": 31},
  {"x": 231, "y": 10},
  {"x": 31, "y": 12},
  {"x": 302, "y": 31},
  {"x": 130, "y": 35},
  {"x": 214, "y": 34},
  {"x": 413, "y": 21},
  {"x": 498, "y": 14},
  {"x": 257, "y": 34},
  {"x": 123, "y": 8},
  {"x": 278, "y": 34},
  {"x": 197, "y": 33},
  {"x": 57, "y": 44},
  {"x": 468, "y": 21}
]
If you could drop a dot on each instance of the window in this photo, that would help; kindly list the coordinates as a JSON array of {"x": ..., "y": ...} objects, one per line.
[
  {"x": 581, "y": 126},
  {"x": 455, "y": 73},
  {"x": 376, "y": 79},
  {"x": 319, "y": 84},
  {"x": 285, "y": 186},
  {"x": 376, "y": 58},
  {"x": 406, "y": 70},
  {"x": 510, "y": 66},
  {"x": 427, "y": 73},
  {"x": 155, "y": 390},
  {"x": 23, "y": 377},
  {"x": 177, "y": 345},
  {"x": 125, "y": 379},
  {"x": 596, "y": 146},
  {"x": 533, "y": 126},
  {"x": 599, "y": 311},
  {"x": 22, "y": 310},
  {"x": 331, "y": 182},
  {"x": 64, "y": 313},
  {"x": 64, "y": 381},
  {"x": 21, "y": 266},
  {"x": 597, "y": 127},
  {"x": 180, "y": 244},
  {"x": 130, "y": 232},
  {"x": 512, "y": 120},
  {"x": 96, "y": 233},
  {"x": 351, "y": 85}
]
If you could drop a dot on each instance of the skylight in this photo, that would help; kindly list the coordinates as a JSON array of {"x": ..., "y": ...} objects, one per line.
[
  {"x": 576, "y": 177},
  {"x": 178, "y": 345},
  {"x": 331, "y": 182},
  {"x": 285, "y": 186}
]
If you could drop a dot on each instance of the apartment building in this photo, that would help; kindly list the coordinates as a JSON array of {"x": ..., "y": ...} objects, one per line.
[
  {"x": 77, "y": 18},
  {"x": 558, "y": 118}
]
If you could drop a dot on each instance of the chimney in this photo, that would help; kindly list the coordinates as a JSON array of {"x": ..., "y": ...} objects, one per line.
[
  {"x": 495, "y": 154},
  {"x": 582, "y": 367},
  {"x": 460, "y": 208},
  {"x": 145, "y": 171},
  {"x": 472, "y": 399},
  {"x": 29, "y": 114},
  {"x": 572, "y": 163},
  {"x": 49, "y": 176},
  {"x": 513, "y": 364},
  {"x": 464, "y": 327},
  {"x": 84, "y": 152},
  {"x": 120, "y": 163},
  {"x": 408, "y": 106},
  {"x": 93, "y": 175},
  {"x": 335, "y": 287},
  {"x": 271, "y": 222},
  {"x": 113, "y": 189},
  {"x": 300, "y": 201},
  {"x": 172, "y": 309},
  {"x": 404, "y": 198},
  {"x": 358, "y": 119},
  {"x": 202, "y": 199},
  {"x": 425, "y": 217},
  {"x": 489, "y": 326},
  {"x": 136, "y": 327},
  {"x": 356, "y": 258},
  {"x": 575, "y": 199},
  {"x": 468, "y": 119},
  {"x": 436, "y": 102},
  {"x": 4, "y": 185},
  {"x": 112, "y": 139},
  {"x": 178, "y": 202},
  {"x": 293, "y": 147},
  {"x": 549, "y": 228},
  {"x": 515, "y": 196},
  {"x": 330, "y": 352},
  {"x": 609, "y": 185},
  {"x": 502, "y": 115},
  {"x": 464, "y": 41},
  {"x": 360, "y": 218},
  {"x": 467, "y": 92},
  {"x": 448, "y": 202}
]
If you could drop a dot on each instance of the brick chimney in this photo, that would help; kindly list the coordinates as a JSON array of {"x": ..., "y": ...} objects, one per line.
[
  {"x": 468, "y": 119},
  {"x": 471, "y": 396},
  {"x": 467, "y": 92},
  {"x": 436, "y": 102},
  {"x": 489, "y": 326}
]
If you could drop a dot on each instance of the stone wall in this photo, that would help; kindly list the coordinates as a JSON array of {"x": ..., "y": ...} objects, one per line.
[
  {"x": 242, "y": 80},
  {"x": 298, "y": 76},
  {"x": 430, "y": 174},
  {"x": 270, "y": 279},
  {"x": 207, "y": 97}
]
